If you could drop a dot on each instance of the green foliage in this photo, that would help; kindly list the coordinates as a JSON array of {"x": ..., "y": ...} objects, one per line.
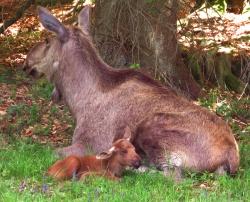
[
  {"x": 33, "y": 113},
  {"x": 26, "y": 111},
  {"x": 22, "y": 109},
  {"x": 5, "y": 46},
  {"x": 226, "y": 106},
  {"x": 135, "y": 66},
  {"x": 210, "y": 100},
  {"x": 17, "y": 160},
  {"x": 246, "y": 7},
  {"x": 220, "y": 5},
  {"x": 16, "y": 110},
  {"x": 40, "y": 129},
  {"x": 196, "y": 69},
  {"x": 42, "y": 88},
  {"x": 10, "y": 76},
  {"x": 24, "y": 115},
  {"x": 233, "y": 83}
]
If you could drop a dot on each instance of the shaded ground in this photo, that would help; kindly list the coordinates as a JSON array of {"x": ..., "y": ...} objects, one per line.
[
  {"x": 208, "y": 36},
  {"x": 25, "y": 107},
  {"x": 27, "y": 112},
  {"x": 207, "y": 29}
]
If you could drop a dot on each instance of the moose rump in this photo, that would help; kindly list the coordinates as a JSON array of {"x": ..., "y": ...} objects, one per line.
[
  {"x": 103, "y": 100},
  {"x": 169, "y": 134}
]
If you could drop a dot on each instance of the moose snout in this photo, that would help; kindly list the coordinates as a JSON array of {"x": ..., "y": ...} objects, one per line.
[{"x": 31, "y": 71}]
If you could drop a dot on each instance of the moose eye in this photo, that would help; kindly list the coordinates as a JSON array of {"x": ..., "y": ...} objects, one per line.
[{"x": 47, "y": 41}]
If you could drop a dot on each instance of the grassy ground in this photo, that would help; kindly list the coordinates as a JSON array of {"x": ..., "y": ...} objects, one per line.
[
  {"x": 31, "y": 126},
  {"x": 22, "y": 179}
]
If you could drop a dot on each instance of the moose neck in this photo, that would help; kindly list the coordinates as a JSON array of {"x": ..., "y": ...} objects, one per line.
[{"x": 79, "y": 74}]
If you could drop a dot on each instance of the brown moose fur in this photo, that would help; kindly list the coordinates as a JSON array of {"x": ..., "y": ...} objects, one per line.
[
  {"x": 109, "y": 164},
  {"x": 170, "y": 130}
]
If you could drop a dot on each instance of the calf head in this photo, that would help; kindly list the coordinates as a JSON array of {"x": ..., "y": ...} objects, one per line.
[{"x": 122, "y": 152}]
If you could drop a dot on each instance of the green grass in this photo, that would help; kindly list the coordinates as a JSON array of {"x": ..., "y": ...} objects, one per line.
[
  {"x": 42, "y": 89},
  {"x": 12, "y": 76},
  {"x": 22, "y": 178}
]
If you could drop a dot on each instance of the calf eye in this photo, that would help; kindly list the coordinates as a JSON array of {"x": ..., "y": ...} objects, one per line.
[{"x": 124, "y": 151}]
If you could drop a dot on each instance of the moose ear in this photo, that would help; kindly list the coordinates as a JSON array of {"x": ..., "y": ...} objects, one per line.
[
  {"x": 127, "y": 134},
  {"x": 106, "y": 155},
  {"x": 52, "y": 24},
  {"x": 84, "y": 19}
]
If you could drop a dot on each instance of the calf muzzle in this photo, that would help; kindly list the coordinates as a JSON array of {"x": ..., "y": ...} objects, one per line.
[{"x": 136, "y": 163}]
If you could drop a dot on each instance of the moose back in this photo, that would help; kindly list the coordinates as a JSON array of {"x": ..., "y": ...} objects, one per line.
[{"x": 169, "y": 130}]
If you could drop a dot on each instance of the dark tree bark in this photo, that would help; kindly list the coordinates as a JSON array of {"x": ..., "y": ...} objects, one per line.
[
  {"x": 235, "y": 6},
  {"x": 18, "y": 15},
  {"x": 144, "y": 32}
]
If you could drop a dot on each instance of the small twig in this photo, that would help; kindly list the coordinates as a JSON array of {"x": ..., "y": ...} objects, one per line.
[
  {"x": 243, "y": 92},
  {"x": 240, "y": 122},
  {"x": 19, "y": 14}
]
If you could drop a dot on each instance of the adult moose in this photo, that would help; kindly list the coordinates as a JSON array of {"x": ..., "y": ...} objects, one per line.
[{"x": 168, "y": 129}]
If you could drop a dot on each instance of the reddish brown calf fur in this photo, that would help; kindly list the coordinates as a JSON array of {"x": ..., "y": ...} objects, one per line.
[{"x": 110, "y": 164}]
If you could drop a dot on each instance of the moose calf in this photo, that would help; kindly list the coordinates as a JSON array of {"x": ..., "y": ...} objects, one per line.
[{"x": 109, "y": 164}]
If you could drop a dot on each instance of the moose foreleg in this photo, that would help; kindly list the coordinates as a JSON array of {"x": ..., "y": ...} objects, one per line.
[
  {"x": 74, "y": 149},
  {"x": 56, "y": 96}
]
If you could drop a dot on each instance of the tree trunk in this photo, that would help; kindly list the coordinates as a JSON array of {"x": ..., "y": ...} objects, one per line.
[
  {"x": 142, "y": 32},
  {"x": 18, "y": 15},
  {"x": 235, "y": 6}
]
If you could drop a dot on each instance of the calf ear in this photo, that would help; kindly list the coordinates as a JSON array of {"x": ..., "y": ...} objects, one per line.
[
  {"x": 52, "y": 24},
  {"x": 106, "y": 155},
  {"x": 84, "y": 19},
  {"x": 127, "y": 134}
]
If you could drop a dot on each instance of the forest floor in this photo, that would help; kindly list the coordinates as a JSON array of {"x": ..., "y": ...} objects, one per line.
[{"x": 31, "y": 126}]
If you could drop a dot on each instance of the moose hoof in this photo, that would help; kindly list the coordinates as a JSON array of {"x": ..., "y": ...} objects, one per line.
[
  {"x": 56, "y": 96},
  {"x": 220, "y": 171},
  {"x": 75, "y": 149},
  {"x": 175, "y": 174}
]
